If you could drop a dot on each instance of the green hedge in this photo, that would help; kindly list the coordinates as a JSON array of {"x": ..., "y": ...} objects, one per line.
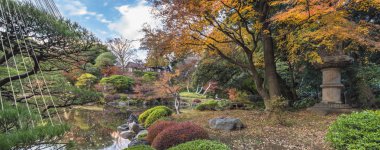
[
  {"x": 214, "y": 105},
  {"x": 192, "y": 95},
  {"x": 140, "y": 147},
  {"x": 151, "y": 115},
  {"x": 359, "y": 130},
  {"x": 201, "y": 145}
]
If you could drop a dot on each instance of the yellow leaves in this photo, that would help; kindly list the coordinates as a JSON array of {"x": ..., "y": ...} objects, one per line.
[
  {"x": 314, "y": 57},
  {"x": 257, "y": 26},
  {"x": 266, "y": 32}
]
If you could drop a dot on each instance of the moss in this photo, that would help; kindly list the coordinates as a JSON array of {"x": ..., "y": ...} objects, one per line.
[
  {"x": 201, "y": 145},
  {"x": 192, "y": 95},
  {"x": 208, "y": 105}
]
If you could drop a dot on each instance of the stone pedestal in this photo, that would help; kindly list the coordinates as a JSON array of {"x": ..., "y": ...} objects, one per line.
[{"x": 332, "y": 86}]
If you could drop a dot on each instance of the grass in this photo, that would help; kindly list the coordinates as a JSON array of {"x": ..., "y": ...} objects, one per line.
[
  {"x": 192, "y": 95},
  {"x": 304, "y": 131},
  {"x": 93, "y": 108}
]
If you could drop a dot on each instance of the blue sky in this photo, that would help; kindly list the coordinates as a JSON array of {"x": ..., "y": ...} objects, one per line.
[{"x": 110, "y": 18}]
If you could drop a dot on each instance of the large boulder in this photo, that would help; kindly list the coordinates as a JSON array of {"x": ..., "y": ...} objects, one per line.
[
  {"x": 226, "y": 124},
  {"x": 123, "y": 127},
  {"x": 134, "y": 127},
  {"x": 128, "y": 135}
]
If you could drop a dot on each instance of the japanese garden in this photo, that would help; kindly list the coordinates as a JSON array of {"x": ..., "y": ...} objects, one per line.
[{"x": 190, "y": 74}]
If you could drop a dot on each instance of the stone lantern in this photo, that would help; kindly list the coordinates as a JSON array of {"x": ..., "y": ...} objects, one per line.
[{"x": 331, "y": 84}]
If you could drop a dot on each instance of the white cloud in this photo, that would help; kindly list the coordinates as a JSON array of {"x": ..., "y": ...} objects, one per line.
[
  {"x": 133, "y": 17},
  {"x": 76, "y": 8}
]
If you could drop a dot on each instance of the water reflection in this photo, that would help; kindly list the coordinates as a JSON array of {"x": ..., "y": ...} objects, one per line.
[
  {"x": 119, "y": 142},
  {"x": 93, "y": 127}
]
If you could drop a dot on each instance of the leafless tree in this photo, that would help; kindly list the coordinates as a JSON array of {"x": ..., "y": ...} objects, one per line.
[{"x": 123, "y": 49}]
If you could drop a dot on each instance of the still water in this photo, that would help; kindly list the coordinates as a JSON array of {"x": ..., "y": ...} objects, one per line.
[{"x": 94, "y": 127}]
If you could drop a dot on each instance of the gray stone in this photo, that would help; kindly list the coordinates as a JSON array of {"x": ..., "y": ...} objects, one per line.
[
  {"x": 135, "y": 142},
  {"x": 123, "y": 127},
  {"x": 142, "y": 132},
  {"x": 128, "y": 135},
  {"x": 133, "y": 118},
  {"x": 122, "y": 104},
  {"x": 134, "y": 127},
  {"x": 226, "y": 124}
]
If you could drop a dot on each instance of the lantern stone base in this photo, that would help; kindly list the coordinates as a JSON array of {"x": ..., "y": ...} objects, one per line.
[{"x": 331, "y": 108}]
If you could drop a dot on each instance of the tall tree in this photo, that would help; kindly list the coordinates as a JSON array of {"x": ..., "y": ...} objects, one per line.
[{"x": 123, "y": 50}]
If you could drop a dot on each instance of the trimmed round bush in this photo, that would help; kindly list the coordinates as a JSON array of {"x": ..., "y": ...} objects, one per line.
[
  {"x": 201, "y": 145},
  {"x": 157, "y": 128},
  {"x": 208, "y": 105},
  {"x": 151, "y": 115},
  {"x": 140, "y": 147},
  {"x": 359, "y": 130},
  {"x": 177, "y": 134},
  {"x": 156, "y": 115}
]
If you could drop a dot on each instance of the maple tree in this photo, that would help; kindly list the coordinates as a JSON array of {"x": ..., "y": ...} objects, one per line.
[
  {"x": 250, "y": 33},
  {"x": 169, "y": 85}
]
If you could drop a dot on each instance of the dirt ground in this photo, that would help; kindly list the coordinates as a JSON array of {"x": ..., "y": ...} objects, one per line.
[{"x": 297, "y": 130}]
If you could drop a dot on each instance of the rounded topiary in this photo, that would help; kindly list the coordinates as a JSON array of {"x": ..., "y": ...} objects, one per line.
[
  {"x": 201, "y": 145},
  {"x": 140, "y": 147},
  {"x": 177, "y": 134},
  {"x": 359, "y": 130},
  {"x": 151, "y": 115},
  {"x": 155, "y": 115},
  {"x": 157, "y": 128},
  {"x": 209, "y": 105}
]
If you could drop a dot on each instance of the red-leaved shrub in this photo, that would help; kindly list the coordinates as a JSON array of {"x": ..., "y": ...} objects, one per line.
[
  {"x": 197, "y": 101},
  {"x": 177, "y": 134},
  {"x": 157, "y": 128}
]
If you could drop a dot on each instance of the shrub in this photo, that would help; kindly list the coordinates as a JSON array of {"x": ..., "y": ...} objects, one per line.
[
  {"x": 119, "y": 82},
  {"x": 154, "y": 114},
  {"x": 208, "y": 105},
  {"x": 223, "y": 104},
  {"x": 86, "y": 80},
  {"x": 192, "y": 95},
  {"x": 304, "y": 103},
  {"x": 140, "y": 147},
  {"x": 112, "y": 97},
  {"x": 177, "y": 134},
  {"x": 156, "y": 128},
  {"x": 359, "y": 130},
  {"x": 197, "y": 101},
  {"x": 201, "y": 145},
  {"x": 105, "y": 59}
]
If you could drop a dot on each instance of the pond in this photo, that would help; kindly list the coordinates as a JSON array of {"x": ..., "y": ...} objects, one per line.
[{"x": 94, "y": 127}]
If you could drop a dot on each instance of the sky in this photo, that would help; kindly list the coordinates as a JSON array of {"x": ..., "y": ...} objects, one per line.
[{"x": 110, "y": 18}]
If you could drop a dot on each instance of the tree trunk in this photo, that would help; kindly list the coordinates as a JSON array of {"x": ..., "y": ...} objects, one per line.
[
  {"x": 177, "y": 103},
  {"x": 209, "y": 85}
]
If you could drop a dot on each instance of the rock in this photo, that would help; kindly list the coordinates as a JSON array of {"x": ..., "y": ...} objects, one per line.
[
  {"x": 128, "y": 135},
  {"x": 114, "y": 104},
  {"x": 122, "y": 104},
  {"x": 226, "y": 124},
  {"x": 134, "y": 127},
  {"x": 142, "y": 132},
  {"x": 135, "y": 142},
  {"x": 133, "y": 118},
  {"x": 124, "y": 127}
]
